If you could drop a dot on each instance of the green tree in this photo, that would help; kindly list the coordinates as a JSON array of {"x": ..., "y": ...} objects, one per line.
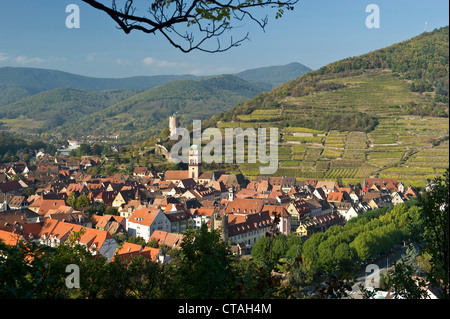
[
  {"x": 363, "y": 245},
  {"x": 300, "y": 272},
  {"x": 130, "y": 167},
  {"x": 435, "y": 217},
  {"x": 294, "y": 243},
  {"x": 402, "y": 282},
  {"x": 83, "y": 201},
  {"x": 96, "y": 149},
  {"x": 111, "y": 211},
  {"x": 326, "y": 259},
  {"x": 205, "y": 267},
  {"x": 72, "y": 200},
  {"x": 164, "y": 133},
  {"x": 310, "y": 248},
  {"x": 27, "y": 192},
  {"x": 153, "y": 243},
  {"x": 262, "y": 251},
  {"x": 344, "y": 256},
  {"x": 84, "y": 149}
]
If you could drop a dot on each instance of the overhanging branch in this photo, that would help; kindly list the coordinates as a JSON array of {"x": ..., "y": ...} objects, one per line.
[{"x": 182, "y": 22}]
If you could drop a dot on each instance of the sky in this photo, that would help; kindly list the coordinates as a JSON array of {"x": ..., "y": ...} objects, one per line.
[{"x": 317, "y": 32}]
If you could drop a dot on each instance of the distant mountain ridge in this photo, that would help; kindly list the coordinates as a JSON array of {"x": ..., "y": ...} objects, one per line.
[
  {"x": 29, "y": 81},
  {"x": 37, "y": 100},
  {"x": 277, "y": 74},
  {"x": 20, "y": 82}
]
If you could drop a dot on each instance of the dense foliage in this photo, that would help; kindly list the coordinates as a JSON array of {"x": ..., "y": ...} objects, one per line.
[
  {"x": 340, "y": 248},
  {"x": 145, "y": 114},
  {"x": 57, "y": 107},
  {"x": 204, "y": 268},
  {"x": 435, "y": 215},
  {"x": 12, "y": 146},
  {"x": 423, "y": 61}
]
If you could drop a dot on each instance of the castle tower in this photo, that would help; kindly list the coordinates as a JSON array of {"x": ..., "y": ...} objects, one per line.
[
  {"x": 174, "y": 122},
  {"x": 225, "y": 228},
  {"x": 195, "y": 162},
  {"x": 221, "y": 223}
]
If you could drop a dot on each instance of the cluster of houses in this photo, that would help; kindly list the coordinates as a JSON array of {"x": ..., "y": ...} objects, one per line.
[{"x": 159, "y": 207}]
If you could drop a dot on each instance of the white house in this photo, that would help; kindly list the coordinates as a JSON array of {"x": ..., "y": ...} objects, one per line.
[
  {"x": 284, "y": 223},
  {"x": 351, "y": 213},
  {"x": 247, "y": 229},
  {"x": 201, "y": 216},
  {"x": 143, "y": 222},
  {"x": 342, "y": 207},
  {"x": 396, "y": 198},
  {"x": 354, "y": 197}
]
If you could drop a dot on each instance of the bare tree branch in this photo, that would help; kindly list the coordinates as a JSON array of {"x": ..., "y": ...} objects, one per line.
[{"x": 181, "y": 22}]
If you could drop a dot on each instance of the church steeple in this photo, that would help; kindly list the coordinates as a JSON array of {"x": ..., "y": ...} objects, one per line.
[
  {"x": 231, "y": 194},
  {"x": 195, "y": 162}
]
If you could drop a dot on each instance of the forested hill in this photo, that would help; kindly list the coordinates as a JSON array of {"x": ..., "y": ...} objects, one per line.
[
  {"x": 146, "y": 113},
  {"x": 37, "y": 100},
  {"x": 19, "y": 82},
  {"x": 408, "y": 78},
  {"x": 57, "y": 107},
  {"x": 423, "y": 60}
]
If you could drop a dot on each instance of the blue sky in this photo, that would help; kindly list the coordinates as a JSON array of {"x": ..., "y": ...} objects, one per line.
[{"x": 33, "y": 34}]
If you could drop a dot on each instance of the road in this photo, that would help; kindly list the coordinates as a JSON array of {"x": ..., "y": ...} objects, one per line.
[
  {"x": 372, "y": 269},
  {"x": 379, "y": 266}
]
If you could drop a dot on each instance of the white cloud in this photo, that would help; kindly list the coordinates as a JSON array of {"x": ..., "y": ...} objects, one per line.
[
  {"x": 149, "y": 61},
  {"x": 23, "y": 59},
  {"x": 4, "y": 56}
]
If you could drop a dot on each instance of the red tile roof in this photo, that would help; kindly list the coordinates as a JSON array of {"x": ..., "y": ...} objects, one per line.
[
  {"x": 176, "y": 175},
  {"x": 245, "y": 206},
  {"x": 170, "y": 239},
  {"x": 9, "y": 238},
  {"x": 335, "y": 197},
  {"x": 129, "y": 250},
  {"x": 144, "y": 216}
]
